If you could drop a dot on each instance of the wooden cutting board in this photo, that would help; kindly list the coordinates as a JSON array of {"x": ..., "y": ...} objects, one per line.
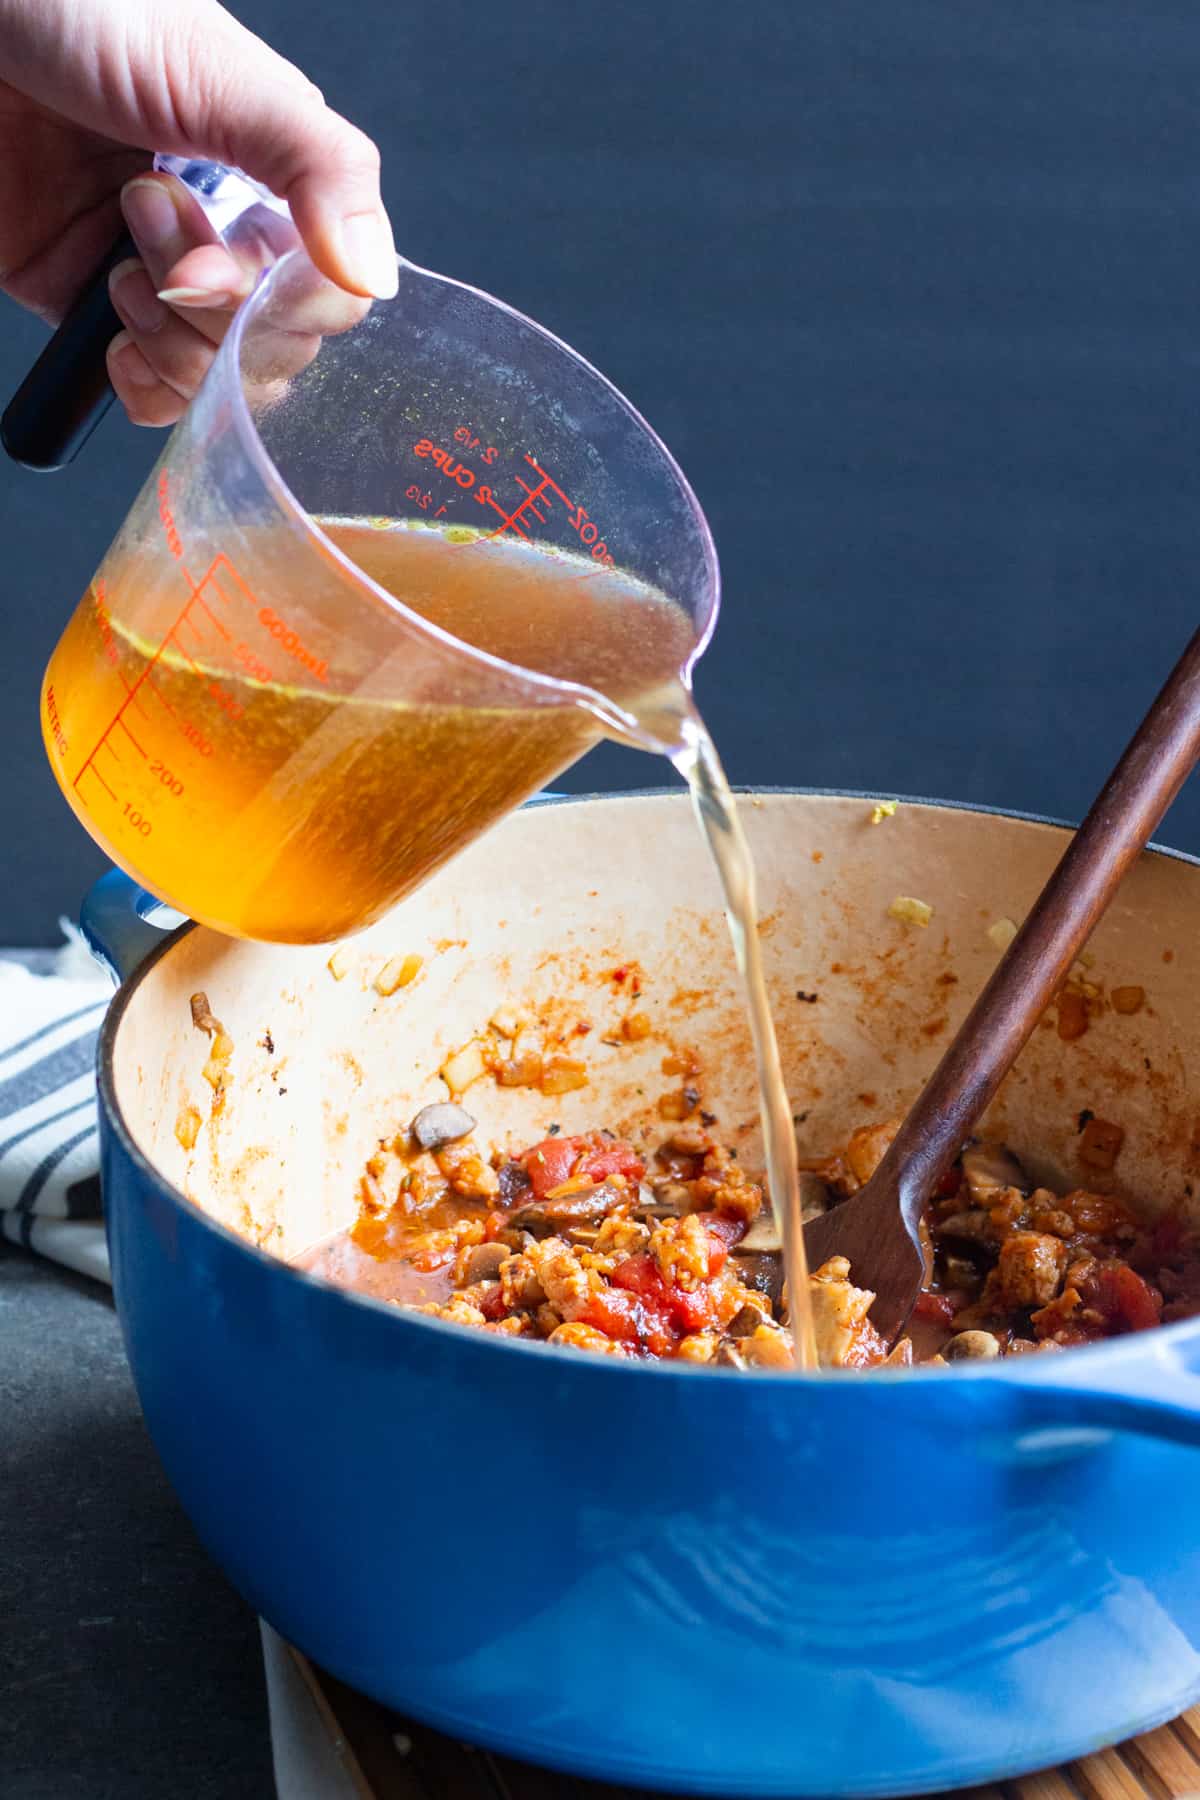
[{"x": 389, "y": 1758}]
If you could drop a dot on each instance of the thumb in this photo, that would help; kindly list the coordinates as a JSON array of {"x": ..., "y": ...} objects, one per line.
[
  {"x": 328, "y": 172},
  {"x": 326, "y": 169}
]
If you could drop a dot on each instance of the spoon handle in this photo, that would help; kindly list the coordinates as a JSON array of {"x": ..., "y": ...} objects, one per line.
[{"x": 1116, "y": 830}]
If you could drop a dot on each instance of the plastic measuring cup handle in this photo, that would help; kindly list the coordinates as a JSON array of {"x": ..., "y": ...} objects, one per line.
[
  {"x": 67, "y": 392},
  {"x": 117, "y": 920}
]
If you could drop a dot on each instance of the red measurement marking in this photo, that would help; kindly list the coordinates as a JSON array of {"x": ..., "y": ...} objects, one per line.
[
  {"x": 168, "y": 517},
  {"x": 191, "y": 662},
  {"x": 512, "y": 520},
  {"x": 548, "y": 481},
  {"x": 212, "y": 615},
  {"x": 530, "y": 501},
  {"x": 241, "y": 588},
  {"x": 132, "y": 692},
  {"x": 158, "y": 693},
  {"x": 130, "y": 736},
  {"x": 99, "y": 777},
  {"x": 587, "y": 529}
]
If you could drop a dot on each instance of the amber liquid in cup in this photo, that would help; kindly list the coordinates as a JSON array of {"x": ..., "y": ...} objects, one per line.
[{"x": 291, "y": 813}]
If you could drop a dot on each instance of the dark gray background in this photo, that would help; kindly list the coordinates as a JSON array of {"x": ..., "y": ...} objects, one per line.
[{"x": 910, "y": 290}]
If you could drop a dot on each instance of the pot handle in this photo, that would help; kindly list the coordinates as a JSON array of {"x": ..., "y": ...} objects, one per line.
[
  {"x": 116, "y": 921},
  {"x": 1155, "y": 1393}
]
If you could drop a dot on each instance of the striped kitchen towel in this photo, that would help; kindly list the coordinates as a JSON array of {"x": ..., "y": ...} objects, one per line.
[{"x": 49, "y": 1155}]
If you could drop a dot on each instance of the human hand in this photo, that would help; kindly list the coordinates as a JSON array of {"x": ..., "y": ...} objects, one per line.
[{"x": 88, "y": 90}]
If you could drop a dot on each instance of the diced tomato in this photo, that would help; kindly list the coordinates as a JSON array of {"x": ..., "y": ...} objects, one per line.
[
  {"x": 685, "y": 1310},
  {"x": 640, "y": 1274},
  {"x": 611, "y": 1159},
  {"x": 493, "y": 1225},
  {"x": 730, "y": 1231},
  {"x": 629, "y": 1319},
  {"x": 492, "y": 1305},
  {"x": 723, "y": 1233},
  {"x": 937, "y": 1308},
  {"x": 696, "y": 1310},
  {"x": 1125, "y": 1298},
  {"x": 550, "y": 1163},
  {"x": 556, "y": 1159}
]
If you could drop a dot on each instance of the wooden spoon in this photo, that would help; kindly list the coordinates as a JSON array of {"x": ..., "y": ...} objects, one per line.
[{"x": 878, "y": 1227}]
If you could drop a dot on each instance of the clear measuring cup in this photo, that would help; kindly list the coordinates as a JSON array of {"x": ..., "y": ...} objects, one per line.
[{"x": 382, "y": 585}]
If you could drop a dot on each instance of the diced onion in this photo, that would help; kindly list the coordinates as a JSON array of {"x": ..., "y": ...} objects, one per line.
[
  {"x": 562, "y": 1075},
  {"x": 910, "y": 911},
  {"x": 187, "y": 1126},
  {"x": 464, "y": 1067},
  {"x": 397, "y": 972}
]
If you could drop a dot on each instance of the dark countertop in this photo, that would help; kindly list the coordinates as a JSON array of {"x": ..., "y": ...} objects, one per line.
[{"x": 128, "y": 1666}]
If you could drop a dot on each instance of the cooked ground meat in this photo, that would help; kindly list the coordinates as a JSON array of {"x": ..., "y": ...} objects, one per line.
[{"x": 586, "y": 1242}]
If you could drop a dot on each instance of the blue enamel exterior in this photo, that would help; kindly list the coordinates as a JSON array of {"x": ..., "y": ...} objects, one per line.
[{"x": 671, "y": 1577}]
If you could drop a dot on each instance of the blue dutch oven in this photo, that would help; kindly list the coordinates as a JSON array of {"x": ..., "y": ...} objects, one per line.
[{"x": 665, "y": 1576}]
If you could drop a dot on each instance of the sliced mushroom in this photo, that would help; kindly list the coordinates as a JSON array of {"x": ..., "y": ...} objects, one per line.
[
  {"x": 443, "y": 1123},
  {"x": 586, "y": 1206},
  {"x": 961, "y": 1272},
  {"x": 482, "y": 1262},
  {"x": 763, "y": 1237},
  {"x": 728, "y": 1356},
  {"x": 515, "y": 1241},
  {"x": 989, "y": 1167},
  {"x": 745, "y": 1322},
  {"x": 974, "y": 1226},
  {"x": 665, "y": 1200},
  {"x": 972, "y": 1346}
]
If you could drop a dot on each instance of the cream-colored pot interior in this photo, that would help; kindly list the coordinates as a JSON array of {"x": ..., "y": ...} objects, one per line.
[{"x": 539, "y": 916}]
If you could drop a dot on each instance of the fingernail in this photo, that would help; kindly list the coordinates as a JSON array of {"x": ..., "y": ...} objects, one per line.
[
  {"x": 371, "y": 253},
  {"x": 192, "y": 296},
  {"x": 134, "y": 298},
  {"x": 149, "y": 213},
  {"x": 134, "y": 366}
]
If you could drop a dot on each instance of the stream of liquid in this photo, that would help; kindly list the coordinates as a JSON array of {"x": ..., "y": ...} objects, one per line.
[
  {"x": 277, "y": 807},
  {"x": 698, "y": 763}
]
